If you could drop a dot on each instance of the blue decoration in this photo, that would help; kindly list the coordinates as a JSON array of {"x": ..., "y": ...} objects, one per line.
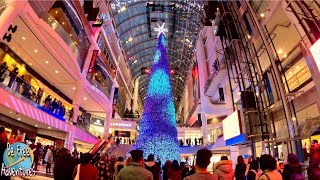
[{"x": 158, "y": 131}]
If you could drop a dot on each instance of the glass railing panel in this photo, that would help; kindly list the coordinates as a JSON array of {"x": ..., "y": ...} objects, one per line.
[
  {"x": 102, "y": 88},
  {"x": 299, "y": 78},
  {"x": 78, "y": 44}
]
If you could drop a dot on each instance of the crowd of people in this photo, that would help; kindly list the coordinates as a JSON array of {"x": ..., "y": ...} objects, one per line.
[
  {"x": 69, "y": 166},
  {"x": 21, "y": 85}
]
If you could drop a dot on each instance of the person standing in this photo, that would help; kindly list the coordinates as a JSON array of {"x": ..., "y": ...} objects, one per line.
[
  {"x": 174, "y": 172},
  {"x": 39, "y": 96},
  {"x": 85, "y": 170},
  {"x": 292, "y": 170},
  {"x": 102, "y": 167},
  {"x": 19, "y": 82},
  {"x": 3, "y": 71},
  {"x": 13, "y": 74},
  {"x": 165, "y": 169},
  {"x": 253, "y": 173},
  {"x": 314, "y": 155},
  {"x": 48, "y": 159},
  {"x": 64, "y": 165},
  {"x": 223, "y": 169},
  {"x": 3, "y": 147},
  {"x": 269, "y": 167},
  {"x": 153, "y": 167},
  {"x": 135, "y": 171},
  {"x": 241, "y": 168},
  {"x": 202, "y": 163},
  {"x": 118, "y": 166}
]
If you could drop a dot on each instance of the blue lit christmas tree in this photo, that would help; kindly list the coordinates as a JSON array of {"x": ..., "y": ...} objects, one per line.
[{"x": 158, "y": 132}]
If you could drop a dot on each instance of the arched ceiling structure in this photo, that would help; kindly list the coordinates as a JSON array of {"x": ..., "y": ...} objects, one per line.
[{"x": 135, "y": 21}]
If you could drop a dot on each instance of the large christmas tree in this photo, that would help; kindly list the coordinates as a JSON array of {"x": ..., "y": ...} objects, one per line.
[{"x": 158, "y": 132}]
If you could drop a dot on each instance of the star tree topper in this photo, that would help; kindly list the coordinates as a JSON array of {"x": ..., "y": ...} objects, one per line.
[{"x": 161, "y": 29}]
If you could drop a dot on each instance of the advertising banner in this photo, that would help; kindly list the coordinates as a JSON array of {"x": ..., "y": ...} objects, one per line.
[{"x": 93, "y": 61}]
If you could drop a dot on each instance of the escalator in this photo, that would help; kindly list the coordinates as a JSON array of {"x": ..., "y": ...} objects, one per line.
[{"x": 111, "y": 148}]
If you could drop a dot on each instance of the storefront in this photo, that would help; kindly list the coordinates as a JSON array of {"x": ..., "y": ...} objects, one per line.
[
  {"x": 124, "y": 130},
  {"x": 17, "y": 132}
]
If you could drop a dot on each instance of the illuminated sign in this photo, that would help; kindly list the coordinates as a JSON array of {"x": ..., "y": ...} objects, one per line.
[
  {"x": 231, "y": 126},
  {"x": 315, "y": 51},
  {"x": 121, "y": 124}
]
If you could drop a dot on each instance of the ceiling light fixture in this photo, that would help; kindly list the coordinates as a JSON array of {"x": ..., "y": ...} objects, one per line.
[
  {"x": 47, "y": 62},
  {"x": 35, "y": 50},
  {"x": 36, "y": 125},
  {"x": 285, "y": 55},
  {"x": 262, "y": 15},
  {"x": 23, "y": 38},
  {"x": 56, "y": 12},
  {"x": 30, "y": 64},
  {"x": 49, "y": 127},
  {"x": 62, "y": 22},
  {"x": 74, "y": 88},
  {"x": 57, "y": 71},
  {"x": 19, "y": 119},
  {"x": 84, "y": 98},
  {"x": 280, "y": 51}
]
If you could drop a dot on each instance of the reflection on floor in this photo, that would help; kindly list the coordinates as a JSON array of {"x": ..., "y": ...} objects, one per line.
[{"x": 40, "y": 175}]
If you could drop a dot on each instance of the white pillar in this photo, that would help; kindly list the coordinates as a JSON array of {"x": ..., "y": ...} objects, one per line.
[
  {"x": 68, "y": 143},
  {"x": 204, "y": 128},
  {"x": 78, "y": 95},
  {"x": 109, "y": 113},
  {"x": 135, "y": 95},
  {"x": 234, "y": 153},
  {"x": 12, "y": 10}
]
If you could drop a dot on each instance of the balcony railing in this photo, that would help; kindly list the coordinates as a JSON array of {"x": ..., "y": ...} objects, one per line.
[
  {"x": 79, "y": 45},
  {"x": 299, "y": 78},
  {"x": 102, "y": 88}
]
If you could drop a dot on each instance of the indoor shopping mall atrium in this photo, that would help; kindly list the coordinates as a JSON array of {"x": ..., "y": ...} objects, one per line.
[{"x": 160, "y": 89}]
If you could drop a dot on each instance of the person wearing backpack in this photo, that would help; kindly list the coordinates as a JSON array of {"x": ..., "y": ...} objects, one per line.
[
  {"x": 268, "y": 166},
  {"x": 292, "y": 170}
]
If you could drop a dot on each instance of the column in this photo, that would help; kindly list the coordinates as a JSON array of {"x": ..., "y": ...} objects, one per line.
[
  {"x": 234, "y": 153},
  {"x": 12, "y": 10},
  {"x": 204, "y": 128},
  {"x": 135, "y": 94},
  {"x": 78, "y": 95},
  {"x": 109, "y": 113},
  {"x": 68, "y": 143}
]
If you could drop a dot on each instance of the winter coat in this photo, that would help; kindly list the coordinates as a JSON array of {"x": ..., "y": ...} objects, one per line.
[
  {"x": 154, "y": 168},
  {"x": 223, "y": 169},
  {"x": 64, "y": 168},
  {"x": 290, "y": 169},
  {"x": 174, "y": 175},
  {"x": 134, "y": 172},
  {"x": 49, "y": 156},
  {"x": 240, "y": 171},
  {"x": 87, "y": 172},
  {"x": 202, "y": 176}
]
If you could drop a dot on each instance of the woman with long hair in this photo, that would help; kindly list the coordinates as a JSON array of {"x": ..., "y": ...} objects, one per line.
[
  {"x": 241, "y": 168},
  {"x": 174, "y": 172}
]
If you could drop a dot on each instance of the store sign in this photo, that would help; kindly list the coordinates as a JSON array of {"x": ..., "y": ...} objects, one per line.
[
  {"x": 18, "y": 160},
  {"x": 231, "y": 126},
  {"x": 93, "y": 61},
  {"x": 122, "y": 133},
  {"x": 315, "y": 51},
  {"x": 121, "y": 124}
]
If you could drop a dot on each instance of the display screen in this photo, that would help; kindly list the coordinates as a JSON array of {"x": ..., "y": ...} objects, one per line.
[{"x": 231, "y": 126}]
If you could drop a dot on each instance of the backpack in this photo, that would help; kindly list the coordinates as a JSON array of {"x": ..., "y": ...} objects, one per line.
[{"x": 296, "y": 176}]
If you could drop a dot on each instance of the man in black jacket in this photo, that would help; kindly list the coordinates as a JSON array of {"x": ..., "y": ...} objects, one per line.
[{"x": 3, "y": 146}]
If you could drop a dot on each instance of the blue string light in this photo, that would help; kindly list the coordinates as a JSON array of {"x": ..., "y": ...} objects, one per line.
[{"x": 158, "y": 131}]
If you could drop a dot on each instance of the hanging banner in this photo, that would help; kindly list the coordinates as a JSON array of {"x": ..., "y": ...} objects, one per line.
[
  {"x": 315, "y": 51},
  {"x": 114, "y": 102},
  {"x": 93, "y": 61}
]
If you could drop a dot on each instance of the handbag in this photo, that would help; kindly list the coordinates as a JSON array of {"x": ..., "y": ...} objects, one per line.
[{"x": 78, "y": 173}]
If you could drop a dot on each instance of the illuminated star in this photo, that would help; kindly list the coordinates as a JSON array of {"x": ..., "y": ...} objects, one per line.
[{"x": 161, "y": 29}]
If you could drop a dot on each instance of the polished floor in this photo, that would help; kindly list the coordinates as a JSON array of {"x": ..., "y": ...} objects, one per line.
[{"x": 40, "y": 175}]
